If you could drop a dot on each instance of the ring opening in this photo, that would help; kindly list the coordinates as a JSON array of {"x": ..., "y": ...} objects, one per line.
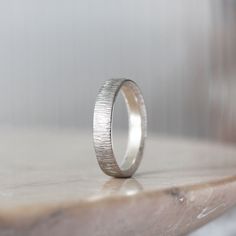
[
  {"x": 119, "y": 128},
  {"x": 132, "y": 100}
]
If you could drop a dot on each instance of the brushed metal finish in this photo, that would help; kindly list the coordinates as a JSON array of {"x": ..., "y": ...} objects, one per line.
[{"x": 102, "y": 123}]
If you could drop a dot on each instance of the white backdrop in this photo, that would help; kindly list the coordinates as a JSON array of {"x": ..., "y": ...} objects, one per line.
[{"x": 54, "y": 54}]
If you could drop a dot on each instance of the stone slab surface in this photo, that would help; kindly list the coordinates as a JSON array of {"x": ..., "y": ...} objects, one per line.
[{"x": 51, "y": 184}]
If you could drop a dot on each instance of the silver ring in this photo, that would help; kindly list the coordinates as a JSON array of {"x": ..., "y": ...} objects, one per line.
[{"x": 102, "y": 123}]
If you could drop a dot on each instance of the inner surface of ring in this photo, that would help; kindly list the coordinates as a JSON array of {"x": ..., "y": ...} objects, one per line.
[{"x": 130, "y": 94}]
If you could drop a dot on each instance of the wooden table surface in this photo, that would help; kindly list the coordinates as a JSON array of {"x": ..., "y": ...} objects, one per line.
[{"x": 51, "y": 184}]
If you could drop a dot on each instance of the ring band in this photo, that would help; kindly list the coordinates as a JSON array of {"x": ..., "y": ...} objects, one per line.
[{"x": 102, "y": 123}]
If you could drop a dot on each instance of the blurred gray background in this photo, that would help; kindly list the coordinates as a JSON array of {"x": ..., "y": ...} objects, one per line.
[{"x": 54, "y": 55}]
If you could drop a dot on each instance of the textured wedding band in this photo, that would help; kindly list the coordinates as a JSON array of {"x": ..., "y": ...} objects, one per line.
[{"x": 102, "y": 124}]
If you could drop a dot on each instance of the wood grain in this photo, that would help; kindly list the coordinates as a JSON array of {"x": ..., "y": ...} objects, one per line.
[{"x": 51, "y": 184}]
